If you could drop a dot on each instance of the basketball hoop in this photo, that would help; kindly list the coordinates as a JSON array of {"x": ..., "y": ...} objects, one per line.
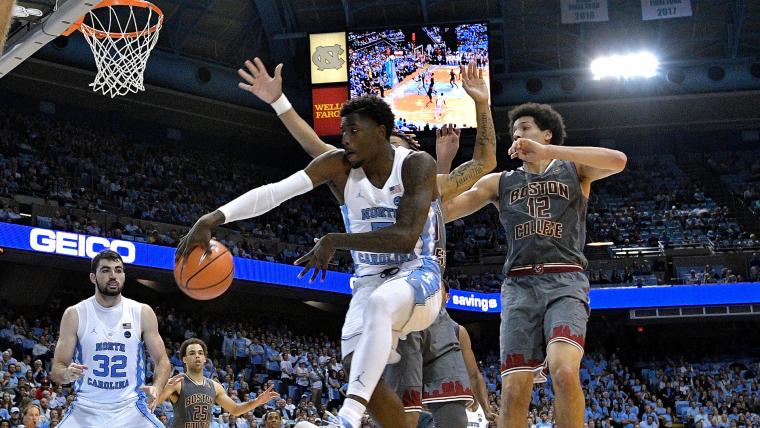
[{"x": 121, "y": 34}]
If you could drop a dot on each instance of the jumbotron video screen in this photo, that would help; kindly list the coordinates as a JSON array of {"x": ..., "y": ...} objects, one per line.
[{"x": 416, "y": 70}]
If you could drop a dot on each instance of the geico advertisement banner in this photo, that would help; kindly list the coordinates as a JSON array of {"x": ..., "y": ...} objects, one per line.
[
  {"x": 159, "y": 257},
  {"x": 328, "y": 58}
]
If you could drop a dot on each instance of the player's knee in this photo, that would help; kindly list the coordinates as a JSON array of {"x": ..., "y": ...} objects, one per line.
[
  {"x": 565, "y": 376},
  {"x": 377, "y": 305}
]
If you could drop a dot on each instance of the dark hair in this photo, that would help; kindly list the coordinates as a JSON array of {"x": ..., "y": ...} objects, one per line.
[
  {"x": 266, "y": 415},
  {"x": 372, "y": 108},
  {"x": 445, "y": 285},
  {"x": 192, "y": 341},
  {"x": 107, "y": 255},
  {"x": 544, "y": 116},
  {"x": 408, "y": 139}
]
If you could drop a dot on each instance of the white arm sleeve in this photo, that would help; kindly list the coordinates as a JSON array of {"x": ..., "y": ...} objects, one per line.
[{"x": 265, "y": 198}]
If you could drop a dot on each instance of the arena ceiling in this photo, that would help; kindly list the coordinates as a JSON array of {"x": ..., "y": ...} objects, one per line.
[{"x": 526, "y": 35}]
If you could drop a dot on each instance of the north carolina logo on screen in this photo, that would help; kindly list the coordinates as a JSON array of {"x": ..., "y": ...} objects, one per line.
[
  {"x": 72, "y": 244},
  {"x": 328, "y": 57}
]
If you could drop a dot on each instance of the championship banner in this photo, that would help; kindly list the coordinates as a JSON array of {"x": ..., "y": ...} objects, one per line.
[
  {"x": 664, "y": 9},
  {"x": 575, "y": 11},
  {"x": 326, "y": 105},
  {"x": 327, "y": 55}
]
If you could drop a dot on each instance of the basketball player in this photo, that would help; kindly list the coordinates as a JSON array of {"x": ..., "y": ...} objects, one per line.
[
  {"x": 272, "y": 419},
  {"x": 393, "y": 221},
  {"x": 6, "y": 17},
  {"x": 193, "y": 395},
  {"x": 453, "y": 79},
  {"x": 542, "y": 207},
  {"x": 420, "y": 81},
  {"x": 437, "y": 369},
  {"x": 439, "y": 103},
  {"x": 104, "y": 336},
  {"x": 430, "y": 90},
  {"x": 269, "y": 88}
]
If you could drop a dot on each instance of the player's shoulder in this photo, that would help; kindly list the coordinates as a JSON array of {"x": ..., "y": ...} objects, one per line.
[
  {"x": 334, "y": 159},
  {"x": 72, "y": 312},
  {"x": 419, "y": 161}
]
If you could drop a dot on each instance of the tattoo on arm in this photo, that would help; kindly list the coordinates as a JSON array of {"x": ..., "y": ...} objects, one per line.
[
  {"x": 485, "y": 128},
  {"x": 466, "y": 174}
]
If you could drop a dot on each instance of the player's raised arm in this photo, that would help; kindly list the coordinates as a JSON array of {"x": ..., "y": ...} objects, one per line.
[
  {"x": 592, "y": 163},
  {"x": 485, "y": 191},
  {"x": 63, "y": 371},
  {"x": 484, "y": 155},
  {"x": 171, "y": 391},
  {"x": 156, "y": 349},
  {"x": 238, "y": 409},
  {"x": 264, "y": 199},
  {"x": 6, "y": 17},
  {"x": 418, "y": 178},
  {"x": 269, "y": 89},
  {"x": 446, "y": 148},
  {"x": 479, "y": 389}
]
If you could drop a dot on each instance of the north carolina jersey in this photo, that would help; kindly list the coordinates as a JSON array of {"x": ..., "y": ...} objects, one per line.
[
  {"x": 368, "y": 208},
  {"x": 476, "y": 419},
  {"x": 544, "y": 216},
  {"x": 109, "y": 343}
]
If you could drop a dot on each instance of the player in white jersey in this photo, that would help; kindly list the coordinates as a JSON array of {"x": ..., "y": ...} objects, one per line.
[
  {"x": 269, "y": 88},
  {"x": 439, "y": 103},
  {"x": 389, "y": 201},
  {"x": 101, "y": 348},
  {"x": 477, "y": 418}
]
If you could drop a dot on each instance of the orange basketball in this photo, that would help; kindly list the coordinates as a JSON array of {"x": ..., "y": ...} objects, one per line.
[{"x": 208, "y": 277}]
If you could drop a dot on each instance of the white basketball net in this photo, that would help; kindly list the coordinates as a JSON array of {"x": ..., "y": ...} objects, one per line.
[{"x": 121, "y": 60}]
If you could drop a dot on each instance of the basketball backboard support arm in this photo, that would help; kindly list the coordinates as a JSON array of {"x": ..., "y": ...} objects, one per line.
[{"x": 21, "y": 48}]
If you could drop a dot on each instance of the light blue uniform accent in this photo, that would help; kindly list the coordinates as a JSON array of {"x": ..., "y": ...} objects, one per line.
[
  {"x": 367, "y": 208},
  {"x": 425, "y": 280}
]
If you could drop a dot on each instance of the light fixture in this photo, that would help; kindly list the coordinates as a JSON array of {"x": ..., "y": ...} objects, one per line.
[{"x": 642, "y": 64}]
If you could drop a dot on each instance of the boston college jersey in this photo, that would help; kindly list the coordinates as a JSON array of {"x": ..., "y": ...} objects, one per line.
[
  {"x": 368, "y": 208},
  {"x": 109, "y": 343}
]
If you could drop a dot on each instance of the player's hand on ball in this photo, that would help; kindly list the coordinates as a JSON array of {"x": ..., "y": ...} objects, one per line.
[
  {"x": 75, "y": 371},
  {"x": 528, "y": 150},
  {"x": 474, "y": 83},
  {"x": 318, "y": 258},
  {"x": 259, "y": 82},
  {"x": 199, "y": 235}
]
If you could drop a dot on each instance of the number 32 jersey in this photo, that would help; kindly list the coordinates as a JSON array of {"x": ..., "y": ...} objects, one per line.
[{"x": 109, "y": 343}]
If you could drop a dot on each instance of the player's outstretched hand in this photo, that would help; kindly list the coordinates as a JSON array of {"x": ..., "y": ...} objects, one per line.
[
  {"x": 198, "y": 236},
  {"x": 175, "y": 379},
  {"x": 528, "y": 150},
  {"x": 318, "y": 258},
  {"x": 474, "y": 83},
  {"x": 259, "y": 82},
  {"x": 447, "y": 142},
  {"x": 266, "y": 396},
  {"x": 151, "y": 392}
]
